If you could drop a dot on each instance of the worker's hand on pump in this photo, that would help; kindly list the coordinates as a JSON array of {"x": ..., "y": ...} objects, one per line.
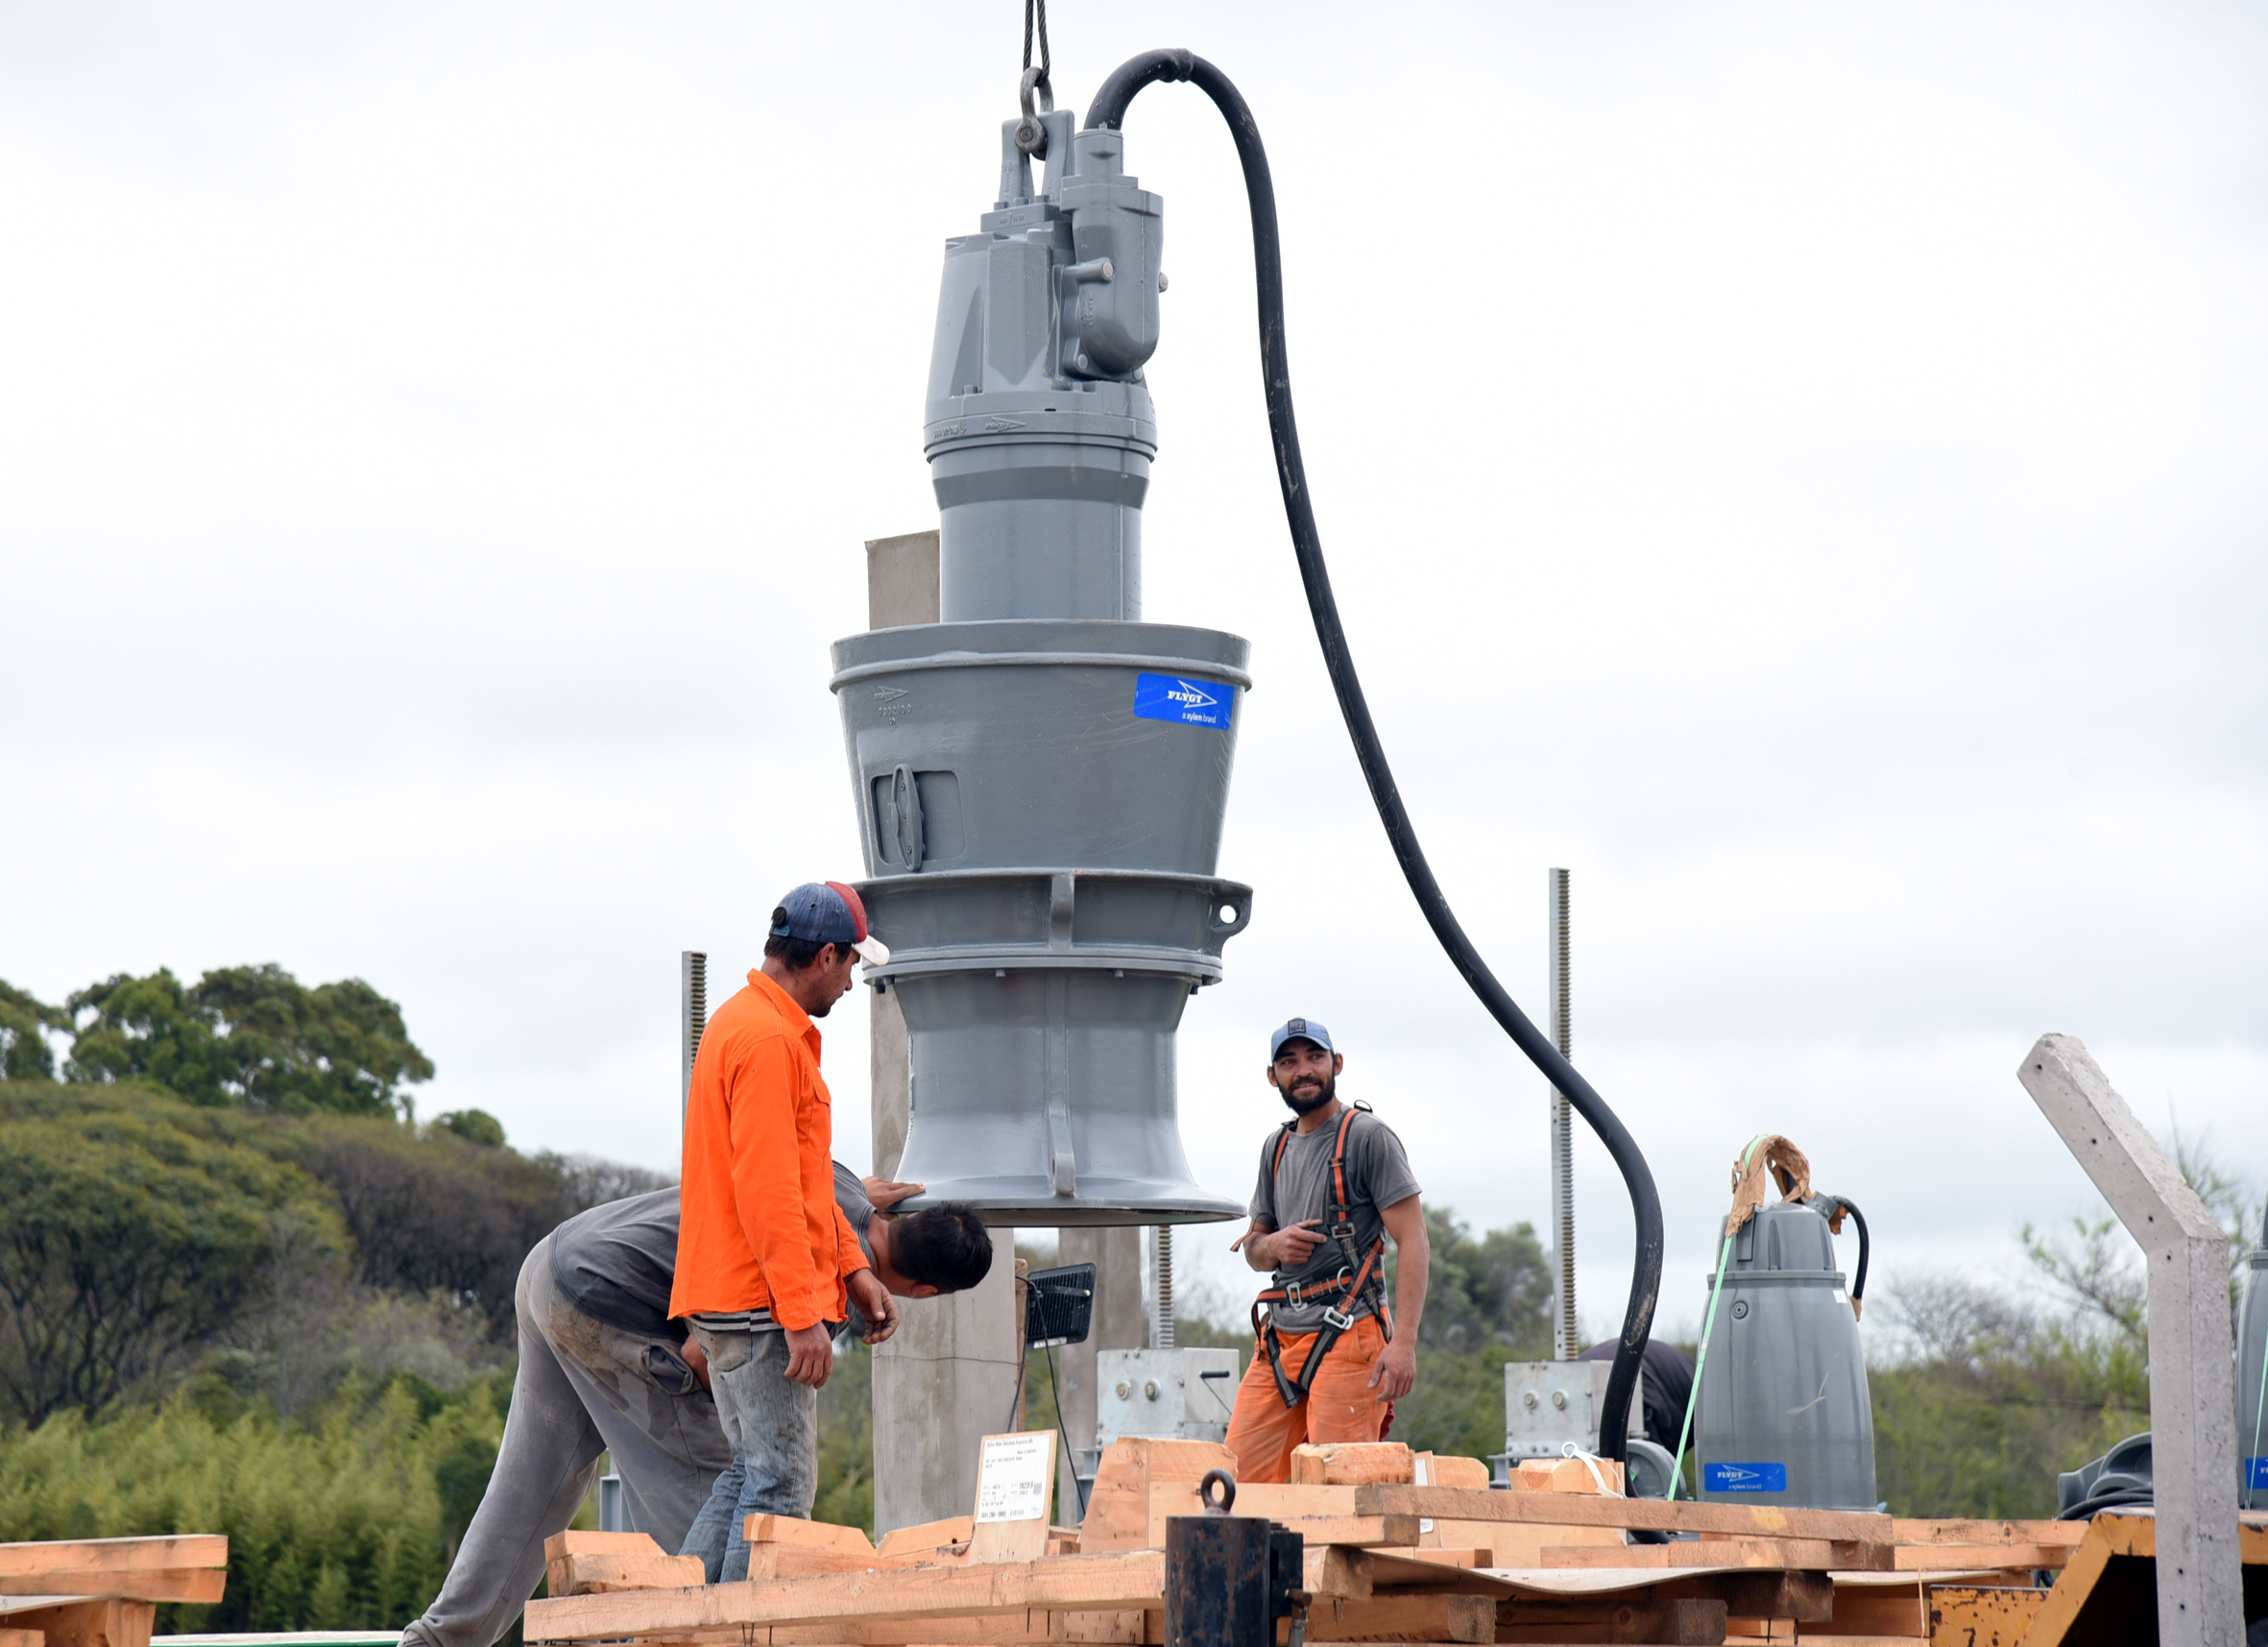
[
  {"x": 874, "y": 1302},
  {"x": 1394, "y": 1373},
  {"x": 887, "y": 1192},
  {"x": 1293, "y": 1246},
  {"x": 811, "y": 1355}
]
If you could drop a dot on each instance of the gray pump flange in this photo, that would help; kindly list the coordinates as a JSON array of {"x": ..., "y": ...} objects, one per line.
[
  {"x": 1785, "y": 1415},
  {"x": 1041, "y": 778}
]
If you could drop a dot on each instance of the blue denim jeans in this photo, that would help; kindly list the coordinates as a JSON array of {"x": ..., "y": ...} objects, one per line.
[{"x": 772, "y": 1424}]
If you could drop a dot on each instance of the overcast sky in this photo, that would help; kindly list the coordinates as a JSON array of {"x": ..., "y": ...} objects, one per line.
[{"x": 1800, "y": 467}]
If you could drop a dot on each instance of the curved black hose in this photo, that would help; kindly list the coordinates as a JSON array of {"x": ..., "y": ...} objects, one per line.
[
  {"x": 1828, "y": 1205},
  {"x": 1109, "y": 110}
]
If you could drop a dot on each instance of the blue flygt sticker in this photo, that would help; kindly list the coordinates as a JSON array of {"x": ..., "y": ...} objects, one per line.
[
  {"x": 1180, "y": 697},
  {"x": 2255, "y": 1474},
  {"x": 1745, "y": 1478}
]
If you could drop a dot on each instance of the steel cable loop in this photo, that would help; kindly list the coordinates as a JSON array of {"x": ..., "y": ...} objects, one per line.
[{"x": 1108, "y": 110}]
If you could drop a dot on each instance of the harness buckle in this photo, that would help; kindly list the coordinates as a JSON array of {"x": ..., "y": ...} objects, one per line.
[
  {"x": 1336, "y": 1322},
  {"x": 1343, "y": 1231}
]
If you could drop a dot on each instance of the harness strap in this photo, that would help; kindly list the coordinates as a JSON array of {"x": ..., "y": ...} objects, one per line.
[{"x": 1354, "y": 1277}]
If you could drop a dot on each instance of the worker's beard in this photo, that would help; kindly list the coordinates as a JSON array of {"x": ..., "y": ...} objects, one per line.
[{"x": 1306, "y": 1103}]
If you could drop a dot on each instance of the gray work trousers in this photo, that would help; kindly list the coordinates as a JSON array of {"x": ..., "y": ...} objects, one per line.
[{"x": 583, "y": 1388}]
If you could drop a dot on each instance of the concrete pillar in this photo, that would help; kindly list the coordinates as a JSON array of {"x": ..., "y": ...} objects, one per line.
[
  {"x": 1117, "y": 1324},
  {"x": 2192, "y": 1390},
  {"x": 947, "y": 1379}
]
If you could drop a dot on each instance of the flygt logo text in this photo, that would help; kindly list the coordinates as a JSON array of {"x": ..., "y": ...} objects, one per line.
[{"x": 1188, "y": 702}]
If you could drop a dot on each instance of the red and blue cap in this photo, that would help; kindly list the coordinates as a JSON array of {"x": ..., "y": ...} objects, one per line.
[{"x": 829, "y": 912}]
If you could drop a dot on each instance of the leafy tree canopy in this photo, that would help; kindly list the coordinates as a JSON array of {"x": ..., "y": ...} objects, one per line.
[
  {"x": 473, "y": 1126},
  {"x": 130, "y": 1232},
  {"x": 249, "y": 1036},
  {"x": 24, "y": 1052}
]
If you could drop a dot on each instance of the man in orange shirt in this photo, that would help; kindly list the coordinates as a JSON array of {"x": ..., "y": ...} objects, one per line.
[{"x": 766, "y": 1259}]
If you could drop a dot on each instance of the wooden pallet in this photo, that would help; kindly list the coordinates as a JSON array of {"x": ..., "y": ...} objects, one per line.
[
  {"x": 1393, "y": 1560},
  {"x": 1389, "y": 1558}
]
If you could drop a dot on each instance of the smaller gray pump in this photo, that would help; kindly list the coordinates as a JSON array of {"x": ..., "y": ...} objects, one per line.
[{"x": 1784, "y": 1414}]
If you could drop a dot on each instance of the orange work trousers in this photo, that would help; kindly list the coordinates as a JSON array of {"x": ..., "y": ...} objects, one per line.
[{"x": 1339, "y": 1406}]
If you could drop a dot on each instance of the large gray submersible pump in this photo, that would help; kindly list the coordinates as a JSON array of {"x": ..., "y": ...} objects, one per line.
[{"x": 1041, "y": 777}]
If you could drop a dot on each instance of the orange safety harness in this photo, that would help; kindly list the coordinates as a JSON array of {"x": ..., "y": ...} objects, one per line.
[{"x": 1359, "y": 1279}]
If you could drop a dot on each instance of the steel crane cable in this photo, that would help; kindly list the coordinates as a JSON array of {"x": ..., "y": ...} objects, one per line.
[
  {"x": 1108, "y": 110},
  {"x": 1037, "y": 8}
]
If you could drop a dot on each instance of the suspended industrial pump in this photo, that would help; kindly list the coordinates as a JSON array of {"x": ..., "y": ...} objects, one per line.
[{"x": 1041, "y": 776}]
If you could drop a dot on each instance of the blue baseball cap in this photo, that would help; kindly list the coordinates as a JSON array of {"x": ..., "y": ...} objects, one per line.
[
  {"x": 829, "y": 913},
  {"x": 1298, "y": 1029}
]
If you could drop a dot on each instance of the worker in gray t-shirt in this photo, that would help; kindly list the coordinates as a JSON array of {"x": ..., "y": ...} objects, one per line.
[
  {"x": 603, "y": 1368},
  {"x": 1334, "y": 1185}
]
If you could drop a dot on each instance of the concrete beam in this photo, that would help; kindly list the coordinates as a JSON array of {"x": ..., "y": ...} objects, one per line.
[
  {"x": 2192, "y": 1397},
  {"x": 1119, "y": 1322},
  {"x": 947, "y": 1379}
]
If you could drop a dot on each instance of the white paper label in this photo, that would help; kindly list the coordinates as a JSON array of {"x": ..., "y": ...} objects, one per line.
[
  {"x": 1012, "y": 1482},
  {"x": 1424, "y": 1478}
]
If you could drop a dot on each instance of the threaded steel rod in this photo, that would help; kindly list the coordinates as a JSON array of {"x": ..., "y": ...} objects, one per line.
[
  {"x": 1162, "y": 1337},
  {"x": 1564, "y": 1345},
  {"x": 692, "y": 995}
]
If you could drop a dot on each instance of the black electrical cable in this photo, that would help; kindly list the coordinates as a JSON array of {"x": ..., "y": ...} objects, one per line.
[
  {"x": 1828, "y": 1205},
  {"x": 1109, "y": 110},
  {"x": 1071, "y": 1459}
]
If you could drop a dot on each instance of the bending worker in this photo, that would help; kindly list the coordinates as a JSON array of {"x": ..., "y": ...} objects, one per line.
[
  {"x": 765, "y": 1258},
  {"x": 1334, "y": 1183},
  {"x": 602, "y": 1368}
]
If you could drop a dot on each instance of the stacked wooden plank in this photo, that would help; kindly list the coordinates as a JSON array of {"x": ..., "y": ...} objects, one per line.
[
  {"x": 102, "y": 1592},
  {"x": 1391, "y": 1557},
  {"x": 1400, "y": 1547}
]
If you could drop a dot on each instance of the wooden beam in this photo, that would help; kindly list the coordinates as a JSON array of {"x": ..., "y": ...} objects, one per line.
[
  {"x": 1612, "y": 1618},
  {"x": 23, "y": 1638},
  {"x": 1121, "y": 1629},
  {"x": 1988, "y": 1618},
  {"x": 1441, "y": 1617},
  {"x": 115, "y": 1555},
  {"x": 103, "y": 1621},
  {"x": 1904, "y": 1531},
  {"x": 190, "y": 1567},
  {"x": 1578, "y": 1510},
  {"x": 1808, "y": 1598},
  {"x": 181, "y": 1584},
  {"x": 1819, "y": 1555},
  {"x": 763, "y": 1528},
  {"x": 1966, "y": 1558},
  {"x": 1121, "y": 1579}
]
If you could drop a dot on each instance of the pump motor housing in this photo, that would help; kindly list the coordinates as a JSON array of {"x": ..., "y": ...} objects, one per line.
[{"x": 1784, "y": 1414}]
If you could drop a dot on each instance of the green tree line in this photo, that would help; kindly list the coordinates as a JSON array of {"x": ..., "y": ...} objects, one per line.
[
  {"x": 243, "y": 1291},
  {"x": 251, "y": 1037}
]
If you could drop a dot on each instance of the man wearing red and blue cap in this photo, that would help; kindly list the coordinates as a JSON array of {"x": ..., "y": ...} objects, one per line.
[
  {"x": 765, "y": 1258},
  {"x": 1334, "y": 1185}
]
